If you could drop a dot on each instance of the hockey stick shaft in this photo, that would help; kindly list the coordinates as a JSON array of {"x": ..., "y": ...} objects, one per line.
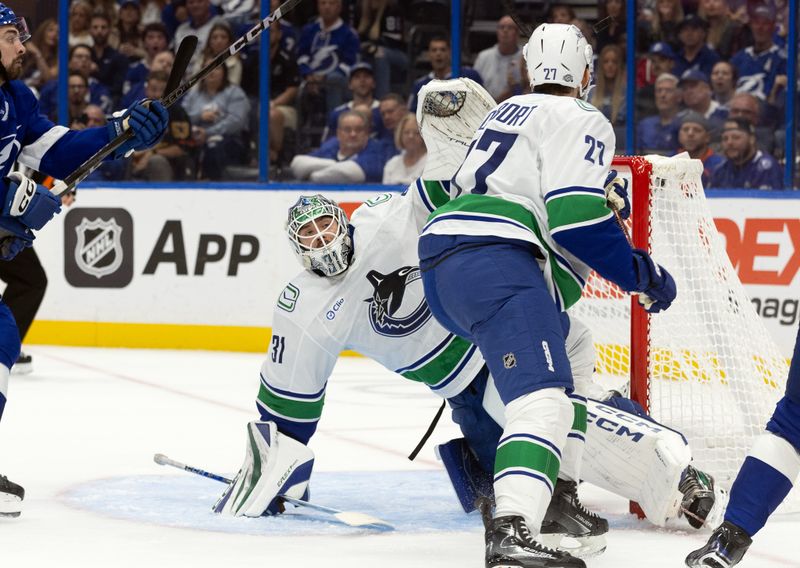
[
  {"x": 170, "y": 98},
  {"x": 350, "y": 518},
  {"x": 161, "y": 459},
  {"x": 183, "y": 56}
]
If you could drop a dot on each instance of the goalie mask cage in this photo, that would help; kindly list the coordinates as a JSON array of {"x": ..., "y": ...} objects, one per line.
[{"x": 707, "y": 366}]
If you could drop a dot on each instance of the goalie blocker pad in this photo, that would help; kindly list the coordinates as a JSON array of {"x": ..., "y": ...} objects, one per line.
[
  {"x": 274, "y": 465},
  {"x": 636, "y": 458}
]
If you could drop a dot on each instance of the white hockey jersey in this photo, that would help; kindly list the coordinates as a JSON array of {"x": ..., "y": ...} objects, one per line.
[
  {"x": 536, "y": 172},
  {"x": 376, "y": 307}
]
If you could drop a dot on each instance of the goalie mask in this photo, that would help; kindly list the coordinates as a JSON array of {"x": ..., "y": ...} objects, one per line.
[
  {"x": 448, "y": 114},
  {"x": 318, "y": 231},
  {"x": 558, "y": 53}
]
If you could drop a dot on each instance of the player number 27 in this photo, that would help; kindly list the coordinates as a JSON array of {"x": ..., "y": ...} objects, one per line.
[
  {"x": 504, "y": 141},
  {"x": 278, "y": 346},
  {"x": 594, "y": 144}
]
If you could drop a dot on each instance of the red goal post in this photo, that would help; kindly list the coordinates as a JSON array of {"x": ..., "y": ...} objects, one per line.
[{"x": 706, "y": 367}]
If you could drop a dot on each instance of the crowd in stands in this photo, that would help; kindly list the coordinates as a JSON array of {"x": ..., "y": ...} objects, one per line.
[{"x": 711, "y": 80}]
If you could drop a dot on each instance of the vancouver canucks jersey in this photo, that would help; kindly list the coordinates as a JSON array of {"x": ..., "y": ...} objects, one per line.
[
  {"x": 376, "y": 307},
  {"x": 536, "y": 172}
]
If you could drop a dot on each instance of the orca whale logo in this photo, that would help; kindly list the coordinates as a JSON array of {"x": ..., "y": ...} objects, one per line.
[{"x": 389, "y": 314}]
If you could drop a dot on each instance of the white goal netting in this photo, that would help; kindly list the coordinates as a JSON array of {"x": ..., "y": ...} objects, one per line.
[{"x": 712, "y": 370}]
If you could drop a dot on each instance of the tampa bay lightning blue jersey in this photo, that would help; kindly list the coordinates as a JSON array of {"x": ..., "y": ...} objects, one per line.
[
  {"x": 325, "y": 51},
  {"x": 757, "y": 71},
  {"x": 28, "y": 136},
  {"x": 370, "y": 159}
]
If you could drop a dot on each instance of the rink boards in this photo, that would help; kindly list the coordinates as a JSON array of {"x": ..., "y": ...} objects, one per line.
[{"x": 203, "y": 268}]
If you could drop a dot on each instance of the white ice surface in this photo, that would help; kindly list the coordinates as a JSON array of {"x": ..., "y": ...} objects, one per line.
[{"x": 80, "y": 433}]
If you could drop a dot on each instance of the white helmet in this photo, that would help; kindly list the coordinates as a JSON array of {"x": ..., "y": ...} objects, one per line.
[
  {"x": 319, "y": 235},
  {"x": 558, "y": 53}
]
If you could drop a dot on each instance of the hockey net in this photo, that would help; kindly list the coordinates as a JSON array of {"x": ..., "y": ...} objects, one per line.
[{"x": 706, "y": 367}]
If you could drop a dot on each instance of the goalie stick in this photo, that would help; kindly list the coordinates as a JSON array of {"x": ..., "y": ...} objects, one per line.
[
  {"x": 350, "y": 518},
  {"x": 169, "y": 99}
]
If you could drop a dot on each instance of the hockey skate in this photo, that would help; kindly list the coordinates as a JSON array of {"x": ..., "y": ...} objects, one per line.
[
  {"x": 509, "y": 544},
  {"x": 469, "y": 480},
  {"x": 725, "y": 548},
  {"x": 568, "y": 526},
  {"x": 703, "y": 502},
  {"x": 11, "y": 496},
  {"x": 23, "y": 365}
]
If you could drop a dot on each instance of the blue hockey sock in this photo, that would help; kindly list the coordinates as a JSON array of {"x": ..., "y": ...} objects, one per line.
[{"x": 764, "y": 480}]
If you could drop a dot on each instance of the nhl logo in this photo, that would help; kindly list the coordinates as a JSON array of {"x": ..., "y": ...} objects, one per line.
[
  {"x": 98, "y": 251},
  {"x": 509, "y": 361}
]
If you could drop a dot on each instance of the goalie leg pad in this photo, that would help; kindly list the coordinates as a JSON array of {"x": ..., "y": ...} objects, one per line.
[
  {"x": 274, "y": 465},
  {"x": 470, "y": 481},
  {"x": 636, "y": 458}
]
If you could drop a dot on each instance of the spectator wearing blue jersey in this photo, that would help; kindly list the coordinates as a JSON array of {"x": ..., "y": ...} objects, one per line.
[
  {"x": 351, "y": 157},
  {"x": 80, "y": 60},
  {"x": 697, "y": 97},
  {"x": 694, "y": 54},
  {"x": 439, "y": 57},
  {"x": 161, "y": 62},
  {"x": 362, "y": 88},
  {"x": 659, "y": 133},
  {"x": 745, "y": 166},
  {"x": 328, "y": 48},
  {"x": 760, "y": 64},
  {"x": 155, "y": 39},
  {"x": 694, "y": 137}
]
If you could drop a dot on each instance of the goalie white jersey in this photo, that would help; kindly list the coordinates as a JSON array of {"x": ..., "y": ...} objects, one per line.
[
  {"x": 376, "y": 307},
  {"x": 546, "y": 158}
]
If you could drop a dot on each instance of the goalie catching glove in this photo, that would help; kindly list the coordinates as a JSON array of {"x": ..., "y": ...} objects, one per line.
[
  {"x": 274, "y": 465},
  {"x": 147, "y": 119}
]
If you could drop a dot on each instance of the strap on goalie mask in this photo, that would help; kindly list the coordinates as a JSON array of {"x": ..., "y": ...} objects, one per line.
[
  {"x": 318, "y": 232},
  {"x": 449, "y": 112}
]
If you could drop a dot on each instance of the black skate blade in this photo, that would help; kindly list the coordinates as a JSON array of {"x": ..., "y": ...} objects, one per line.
[{"x": 577, "y": 546}]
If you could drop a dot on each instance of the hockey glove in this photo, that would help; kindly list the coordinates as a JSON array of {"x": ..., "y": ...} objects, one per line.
[
  {"x": 14, "y": 237},
  {"x": 31, "y": 204},
  {"x": 147, "y": 119},
  {"x": 274, "y": 465},
  {"x": 654, "y": 282},
  {"x": 617, "y": 194}
]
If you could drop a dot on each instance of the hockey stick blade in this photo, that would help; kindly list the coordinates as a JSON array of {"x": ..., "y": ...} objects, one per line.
[
  {"x": 181, "y": 63},
  {"x": 350, "y": 518},
  {"x": 170, "y": 97}
]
